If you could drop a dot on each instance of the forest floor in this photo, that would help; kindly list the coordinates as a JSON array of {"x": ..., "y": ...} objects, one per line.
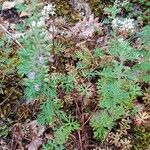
[{"x": 80, "y": 33}]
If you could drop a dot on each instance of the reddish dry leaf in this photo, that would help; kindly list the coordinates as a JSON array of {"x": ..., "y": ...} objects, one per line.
[
  {"x": 18, "y": 133},
  {"x": 41, "y": 130},
  {"x": 35, "y": 144},
  {"x": 85, "y": 29},
  {"x": 35, "y": 129},
  {"x": 24, "y": 14}
]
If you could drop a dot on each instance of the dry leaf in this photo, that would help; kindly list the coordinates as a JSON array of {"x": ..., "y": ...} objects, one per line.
[
  {"x": 86, "y": 28},
  {"x": 35, "y": 129},
  {"x": 41, "y": 130},
  {"x": 24, "y": 14},
  {"x": 18, "y": 133},
  {"x": 35, "y": 144},
  {"x": 8, "y": 5}
]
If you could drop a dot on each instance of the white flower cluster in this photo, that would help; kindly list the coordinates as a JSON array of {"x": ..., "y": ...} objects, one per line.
[
  {"x": 47, "y": 10},
  {"x": 38, "y": 23},
  {"x": 124, "y": 25}
]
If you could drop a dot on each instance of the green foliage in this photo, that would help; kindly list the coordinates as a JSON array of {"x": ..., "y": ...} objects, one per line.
[
  {"x": 101, "y": 123},
  {"x": 53, "y": 146},
  {"x": 144, "y": 65},
  {"x": 98, "y": 53},
  {"x": 117, "y": 89},
  {"x": 49, "y": 110},
  {"x": 112, "y": 11},
  {"x": 61, "y": 134},
  {"x": 145, "y": 36},
  {"x": 4, "y": 131},
  {"x": 42, "y": 84},
  {"x": 122, "y": 50},
  {"x": 7, "y": 61},
  {"x": 33, "y": 64},
  {"x": 117, "y": 82},
  {"x": 84, "y": 90},
  {"x": 67, "y": 83}
]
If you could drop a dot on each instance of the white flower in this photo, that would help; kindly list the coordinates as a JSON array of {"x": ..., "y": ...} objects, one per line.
[
  {"x": 41, "y": 59},
  {"x": 52, "y": 28},
  {"x": 45, "y": 12},
  {"x": 124, "y": 24},
  {"x": 120, "y": 40},
  {"x": 38, "y": 23},
  {"x": 41, "y": 22},
  {"x": 33, "y": 23},
  {"x": 115, "y": 23},
  {"x": 37, "y": 87},
  {"x": 31, "y": 75},
  {"x": 48, "y": 10}
]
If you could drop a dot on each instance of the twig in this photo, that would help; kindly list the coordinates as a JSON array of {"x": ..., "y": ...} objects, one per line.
[
  {"x": 53, "y": 36},
  {"x": 89, "y": 117},
  {"x": 13, "y": 38},
  {"x": 80, "y": 141},
  {"x": 6, "y": 99},
  {"x": 77, "y": 107}
]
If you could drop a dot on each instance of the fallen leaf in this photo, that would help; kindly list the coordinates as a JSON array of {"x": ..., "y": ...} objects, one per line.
[
  {"x": 24, "y": 14},
  {"x": 8, "y": 5},
  {"x": 35, "y": 144},
  {"x": 35, "y": 129},
  {"x": 41, "y": 130},
  {"x": 18, "y": 132}
]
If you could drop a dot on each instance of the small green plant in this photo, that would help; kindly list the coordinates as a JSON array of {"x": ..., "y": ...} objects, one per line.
[
  {"x": 144, "y": 64},
  {"x": 40, "y": 83},
  {"x": 61, "y": 134},
  {"x": 97, "y": 87},
  {"x": 117, "y": 89},
  {"x": 112, "y": 11}
]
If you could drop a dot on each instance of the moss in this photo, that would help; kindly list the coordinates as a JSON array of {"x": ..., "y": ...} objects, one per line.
[
  {"x": 97, "y": 7},
  {"x": 141, "y": 138},
  {"x": 65, "y": 9}
]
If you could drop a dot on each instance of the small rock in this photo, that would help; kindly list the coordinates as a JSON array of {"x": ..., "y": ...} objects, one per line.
[{"x": 8, "y": 5}]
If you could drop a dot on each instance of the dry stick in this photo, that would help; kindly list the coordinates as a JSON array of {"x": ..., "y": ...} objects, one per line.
[
  {"x": 6, "y": 99},
  {"x": 53, "y": 40},
  {"x": 13, "y": 90},
  {"x": 80, "y": 140},
  {"x": 89, "y": 117},
  {"x": 7, "y": 32},
  {"x": 78, "y": 110},
  {"x": 79, "y": 133}
]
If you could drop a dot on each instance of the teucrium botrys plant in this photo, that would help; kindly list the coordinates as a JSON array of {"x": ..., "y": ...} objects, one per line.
[
  {"x": 35, "y": 58},
  {"x": 117, "y": 88}
]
